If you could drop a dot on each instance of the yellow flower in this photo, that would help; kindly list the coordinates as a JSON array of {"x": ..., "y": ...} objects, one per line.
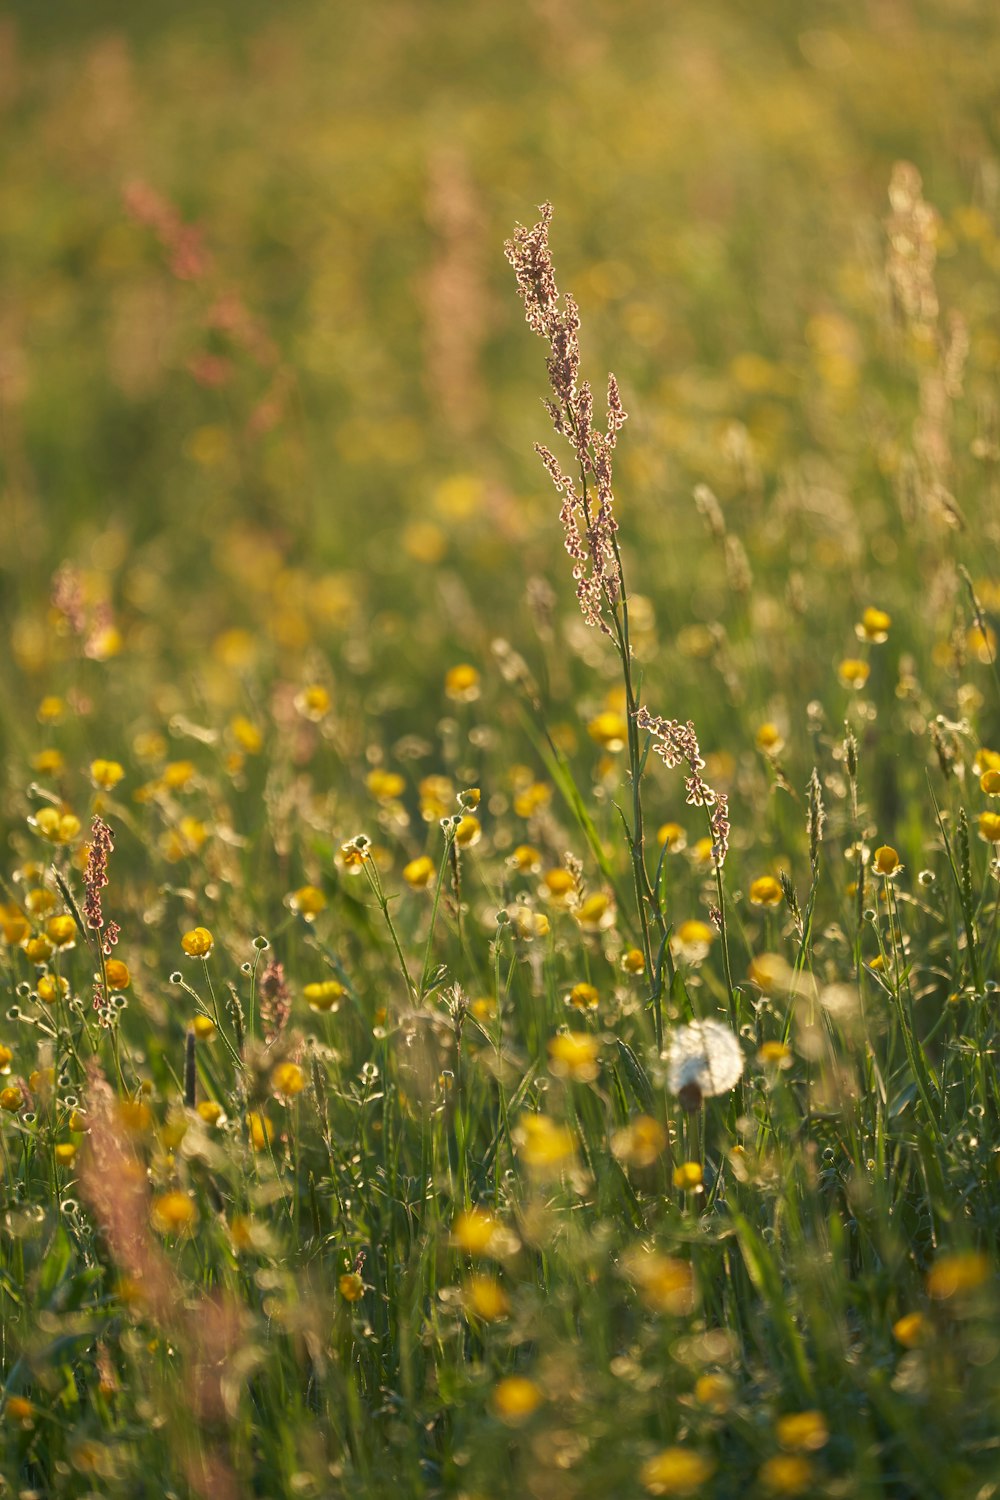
[
  {"x": 198, "y": 943},
  {"x": 134, "y": 1116},
  {"x": 52, "y": 987},
  {"x": 982, "y": 644},
  {"x": 886, "y": 861},
  {"x": 469, "y": 832},
  {"x": 802, "y": 1431},
  {"x": 688, "y": 1176},
  {"x": 771, "y": 972},
  {"x": 6, "y": 1058},
  {"x": 287, "y": 1080},
  {"x": 953, "y": 1275},
  {"x": 323, "y": 995},
  {"x": 61, "y": 931},
  {"x": 641, "y": 1143},
  {"x": 765, "y": 891},
  {"x": 544, "y": 1145},
  {"x": 173, "y": 1213},
  {"x": 609, "y": 730},
  {"x": 515, "y": 1398},
  {"x": 14, "y": 925},
  {"x": 48, "y": 762},
  {"x": 714, "y": 1390},
  {"x": 910, "y": 1330},
  {"x": 853, "y": 673},
  {"x": 38, "y": 950},
  {"x": 106, "y": 774},
  {"x": 665, "y": 1282},
  {"x": 989, "y": 827},
  {"x": 461, "y": 683},
  {"x": 701, "y": 851},
  {"x": 308, "y": 901},
  {"x": 118, "y": 974},
  {"x": 203, "y": 1027},
  {"x": 484, "y": 1008},
  {"x": 989, "y": 782},
  {"x": 486, "y": 1299},
  {"x": 633, "y": 961},
  {"x": 529, "y": 799},
  {"x": 676, "y": 1471},
  {"x": 385, "y": 786},
  {"x": 178, "y": 775},
  {"x": 873, "y": 626},
  {"x": 211, "y": 1111},
  {"x": 673, "y": 835},
  {"x": 351, "y": 1286},
  {"x": 261, "y": 1130},
  {"x": 573, "y": 1054},
  {"x": 692, "y": 940},
  {"x": 64, "y": 1152},
  {"x": 474, "y": 1231},
  {"x": 527, "y": 859},
  {"x": 313, "y": 703},
  {"x": 530, "y": 924},
  {"x": 787, "y": 1474},
  {"x": 246, "y": 734},
  {"x": 595, "y": 913},
  {"x": 583, "y": 996},
  {"x": 769, "y": 739},
  {"x": 58, "y": 826},
  {"x": 19, "y": 1409},
  {"x": 986, "y": 760},
  {"x": 51, "y": 710},
  {"x": 558, "y": 886},
  {"x": 775, "y": 1055},
  {"x": 436, "y": 794},
  {"x": 11, "y": 1099}
]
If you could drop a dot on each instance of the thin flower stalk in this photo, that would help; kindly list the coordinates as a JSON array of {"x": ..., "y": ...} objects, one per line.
[{"x": 588, "y": 520}]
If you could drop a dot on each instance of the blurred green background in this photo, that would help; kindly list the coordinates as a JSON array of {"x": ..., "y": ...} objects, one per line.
[{"x": 262, "y": 365}]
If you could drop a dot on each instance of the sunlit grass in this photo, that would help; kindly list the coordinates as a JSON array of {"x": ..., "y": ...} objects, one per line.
[{"x": 456, "y": 1042}]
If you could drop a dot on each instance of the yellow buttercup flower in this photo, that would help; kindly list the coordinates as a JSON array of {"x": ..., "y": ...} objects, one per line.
[{"x": 198, "y": 943}]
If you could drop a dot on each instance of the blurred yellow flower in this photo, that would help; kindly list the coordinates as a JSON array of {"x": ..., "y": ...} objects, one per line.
[
  {"x": 461, "y": 683},
  {"x": 853, "y": 673},
  {"x": 954, "y": 1275},
  {"x": 486, "y": 1299},
  {"x": 769, "y": 739},
  {"x": 874, "y": 626},
  {"x": 173, "y": 1213},
  {"x": 287, "y": 1080},
  {"x": 786, "y": 1474},
  {"x": 802, "y": 1431},
  {"x": 765, "y": 891},
  {"x": 308, "y": 901},
  {"x": 573, "y": 1054},
  {"x": 676, "y": 1471},
  {"x": 544, "y": 1145},
  {"x": 324, "y": 995},
  {"x": 515, "y": 1398},
  {"x": 106, "y": 774},
  {"x": 673, "y": 835},
  {"x": 609, "y": 730}
]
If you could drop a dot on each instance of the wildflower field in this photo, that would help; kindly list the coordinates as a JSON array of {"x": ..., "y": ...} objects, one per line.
[{"x": 500, "y": 865}]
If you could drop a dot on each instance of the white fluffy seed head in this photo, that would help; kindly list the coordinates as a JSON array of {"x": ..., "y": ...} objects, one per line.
[{"x": 703, "y": 1057}]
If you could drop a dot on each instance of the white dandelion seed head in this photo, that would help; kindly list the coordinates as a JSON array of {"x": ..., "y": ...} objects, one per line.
[{"x": 703, "y": 1056}]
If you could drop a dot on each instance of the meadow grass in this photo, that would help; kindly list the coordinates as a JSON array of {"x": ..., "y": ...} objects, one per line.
[{"x": 463, "y": 1039}]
